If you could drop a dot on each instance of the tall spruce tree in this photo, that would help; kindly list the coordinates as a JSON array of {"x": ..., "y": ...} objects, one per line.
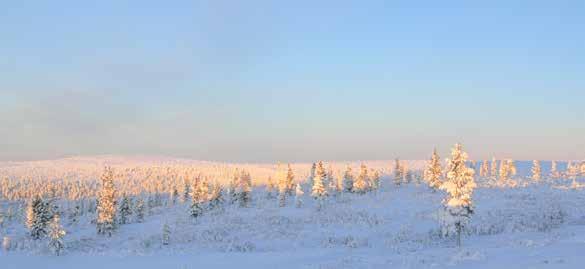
[
  {"x": 56, "y": 234},
  {"x": 166, "y": 234},
  {"x": 106, "y": 208},
  {"x": 348, "y": 180},
  {"x": 536, "y": 171},
  {"x": 283, "y": 185},
  {"x": 290, "y": 181},
  {"x": 245, "y": 189},
  {"x": 434, "y": 172},
  {"x": 494, "y": 169},
  {"x": 398, "y": 172},
  {"x": 319, "y": 192},
  {"x": 361, "y": 183},
  {"x": 299, "y": 196},
  {"x": 41, "y": 217},
  {"x": 459, "y": 186},
  {"x": 125, "y": 209},
  {"x": 484, "y": 169}
]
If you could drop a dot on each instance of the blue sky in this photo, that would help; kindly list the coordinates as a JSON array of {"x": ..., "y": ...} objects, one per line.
[{"x": 298, "y": 81}]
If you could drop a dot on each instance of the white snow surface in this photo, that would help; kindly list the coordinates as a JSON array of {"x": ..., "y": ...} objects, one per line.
[{"x": 534, "y": 226}]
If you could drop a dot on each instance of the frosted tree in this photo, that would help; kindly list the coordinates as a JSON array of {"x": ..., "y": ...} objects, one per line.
[
  {"x": 348, "y": 180},
  {"x": 434, "y": 171},
  {"x": 125, "y": 209},
  {"x": 312, "y": 174},
  {"x": 186, "y": 191},
  {"x": 173, "y": 194},
  {"x": 30, "y": 212},
  {"x": 572, "y": 173},
  {"x": 360, "y": 184},
  {"x": 512, "y": 167},
  {"x": 106, "y": 208},
  {"x": 331, "y": 182},
  {"x": 459, "y": 185},
  {"x": 42, "y": 215},
  {"x": 56, "y": 234},
  {"x": 299, "y": 196},
  {"x": 203, "y": 190},
  {"x": 140, "y": 210},
  {"x": 554, "y": 173},
  {"x": 270, "y": 188},
  {"x": 196, "y": 208},
  {"x": 406, "y": 174},
  {"x": 216, "y": 197},
  {"x": 398, "y": 172},
  {"x": 504, "y": 173},
  {"x": 198, "y": 198},
  {"x": 375, "y": 179},
  {"x": 484, "y": 169},
  {"x": 290, "y": 181},
  {"x": 245, "y": 189},
  {"x": 319, "y": 192},
  {"x": 166, "y": 234},
  {"x": 233, "y": 187},
  {"x": 494, "y": 168},
  {"x": 283, "y": 185},
  {"x": 320, "y": 171},
  {"x": 536, "y": 171}
]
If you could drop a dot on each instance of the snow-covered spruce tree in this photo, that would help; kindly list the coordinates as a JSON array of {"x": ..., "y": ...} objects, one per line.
[
  {"x": 106, "y": 208},
  {"x": 186, "y": 190},
  {"x": 484, "y": 169},
  {"x": 312, "y": 174},
  {"x": 319, "y": 192},
  {"x": 30, "y": 212},
  {"x": 459, "y": 185},
  {"x": 320, "y": 170},
  {"x": 398, "y": 172},
  {"x": 203, "y": 190},
  {"x": 348, "y": 180},
  {"x": 140, "y": 210},
  {"x": 554, "y": 173},
  {"x": 125, "y": 209},
  {"x": 42, "y": 217},
  {"x": 290, "y": 181},
  {"x": 196, "y": 209},
  {"x": 504, "y": 173},
  {"x": 375, "y": 179},
  {"x": 360, "y": 184},
  {"x": 245, "y": 189},
  {"x": 233, "y": 194},
  {"x": 199, "y": 198},
  {"x": 299, "y": 196},
  {"x": 56, "y": 234},
  {"x": 572, "y": 173},
  {"x": 406, "y": 174},
  {"x": 536, "y": 171},
  {"x": 494, "y": 169},
  {"x": 512, "y": 168},
  {"x": 434, "y": 171},
  {"x": 331, "y": 182},
  {"x": 281, "y": 179},
  {"x": 173, "y": 194},
  {"x": 216, "y": 197},
  {"x": 166, "y": 234},
  {"x": 270, "y": 188}
]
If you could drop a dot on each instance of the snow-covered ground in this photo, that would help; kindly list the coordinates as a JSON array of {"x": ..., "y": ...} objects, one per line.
[{"x": 535, "y": 226}]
